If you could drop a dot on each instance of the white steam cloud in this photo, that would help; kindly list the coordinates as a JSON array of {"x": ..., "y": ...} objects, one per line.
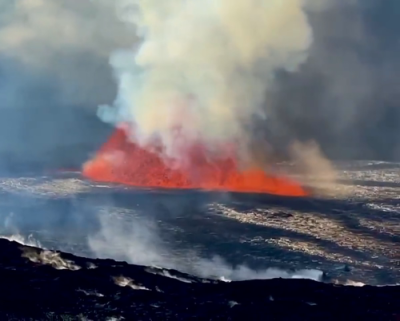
[
  {"x": 139, "y": 242},
  {"x": 204, "y": 66},
  {"x": 29, "y": 241}
]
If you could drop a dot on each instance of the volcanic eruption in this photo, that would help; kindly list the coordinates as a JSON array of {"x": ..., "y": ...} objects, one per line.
[
  {"x": 201, "y": 67},
  {"x": 120, "y": 160}
]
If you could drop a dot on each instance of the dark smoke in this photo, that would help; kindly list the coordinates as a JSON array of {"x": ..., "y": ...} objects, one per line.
[{"x": 346, "y": 96}]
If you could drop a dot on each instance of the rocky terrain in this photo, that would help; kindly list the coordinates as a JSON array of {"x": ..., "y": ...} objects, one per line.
[
  {"x": 46, "y": 285},
  {"x": 352, "y": 235}
]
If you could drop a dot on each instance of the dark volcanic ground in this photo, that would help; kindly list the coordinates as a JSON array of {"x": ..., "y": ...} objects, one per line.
[
  {"x": 46, "y": 285},
  {"x": 352, "y": 235}
]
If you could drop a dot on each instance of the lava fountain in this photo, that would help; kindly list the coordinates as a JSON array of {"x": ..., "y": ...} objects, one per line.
[
  {"x": 120, "y": 160},
  {"x": 201, "y": 69}
]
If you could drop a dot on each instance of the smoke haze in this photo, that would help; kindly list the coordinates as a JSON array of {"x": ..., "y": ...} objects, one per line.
[
  {"x": 53, "y": 73},
  {"x": 139, "y": 243},
  {"x": 336, "y": 86},
  {"x": 345, "y": 96}
]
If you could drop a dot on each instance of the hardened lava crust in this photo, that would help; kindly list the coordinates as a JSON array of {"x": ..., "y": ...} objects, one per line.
[
  {"x": 48, "y": 285},
  {"x": 352, "y": 234}
]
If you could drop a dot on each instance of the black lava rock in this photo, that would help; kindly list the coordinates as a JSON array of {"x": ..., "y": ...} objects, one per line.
[{"x": 48, "y": 285}]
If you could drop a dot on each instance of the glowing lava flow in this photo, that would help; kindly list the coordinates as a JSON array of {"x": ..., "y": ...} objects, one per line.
[{"x": 122, "y": 161}]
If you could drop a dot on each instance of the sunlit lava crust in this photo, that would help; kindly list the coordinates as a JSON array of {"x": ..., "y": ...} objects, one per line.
[{"x": 122, "y": 161}]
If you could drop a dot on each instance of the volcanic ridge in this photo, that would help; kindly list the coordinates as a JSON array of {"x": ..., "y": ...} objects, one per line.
[{"x": 49, "y": 285}]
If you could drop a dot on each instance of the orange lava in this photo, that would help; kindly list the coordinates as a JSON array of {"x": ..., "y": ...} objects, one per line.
[{"x": 121, "y": 161}]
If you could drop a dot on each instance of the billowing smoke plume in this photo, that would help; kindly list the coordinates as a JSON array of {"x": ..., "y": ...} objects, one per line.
[
  {"x": 316, "y": 170},
  {"x": 54, "y": 71},
  {"x": 204, "y": 66}
]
